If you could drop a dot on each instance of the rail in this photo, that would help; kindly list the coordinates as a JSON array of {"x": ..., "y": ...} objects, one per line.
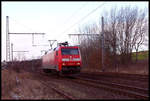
[{"x": 121, "y": 89}]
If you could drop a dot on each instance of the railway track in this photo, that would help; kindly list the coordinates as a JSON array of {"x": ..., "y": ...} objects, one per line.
[
  {"x": 123, "y": 81},
  {"x": 140, "y": 81},
  {"x": 114, "y": 87},
  {"x": 59, "y": 91},
  {"x": 44, "y": 79},
  {"x": 135, "y": 77},
  {"x": 130, "y": 91}
]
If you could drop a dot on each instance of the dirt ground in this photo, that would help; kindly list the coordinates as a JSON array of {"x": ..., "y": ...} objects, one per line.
[
  {"x": 23, "y": 85},
  {"x": 26, "y": 85}
]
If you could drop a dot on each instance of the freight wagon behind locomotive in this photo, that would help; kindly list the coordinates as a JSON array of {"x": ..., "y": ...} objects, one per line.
[{"x": 63, "y": 59}]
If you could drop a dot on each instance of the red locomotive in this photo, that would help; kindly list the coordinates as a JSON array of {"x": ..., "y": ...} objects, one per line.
[{"x": 63, "y": 59}]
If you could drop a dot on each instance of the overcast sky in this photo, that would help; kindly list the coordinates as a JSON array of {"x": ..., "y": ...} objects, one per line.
[{"x": 53, "y": 18}]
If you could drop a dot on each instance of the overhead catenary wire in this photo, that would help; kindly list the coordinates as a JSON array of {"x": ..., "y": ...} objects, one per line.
[
  {"x": 73, "y": 15},
  {"x": 20, "y": 33},
  {"x": 83, "y": 18},
  {"x": 80, "y": 19},
  {"x": 30, "y": 29}
]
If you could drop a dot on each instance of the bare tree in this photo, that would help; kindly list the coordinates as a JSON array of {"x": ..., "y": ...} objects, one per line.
[
  {"x": 90, "y": 45},
  {"x": 141, "y": 31},
  {"x": 126, "y": 20},
  {"x": 125, "y": 30}
]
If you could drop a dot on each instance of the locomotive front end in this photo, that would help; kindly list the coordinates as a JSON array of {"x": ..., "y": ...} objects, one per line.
[{"x": 71, "y": 60}]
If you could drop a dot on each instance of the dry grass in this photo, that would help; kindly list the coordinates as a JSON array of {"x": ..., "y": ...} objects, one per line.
[
  {"x": 142, "y": 67},
  {"x": 24, "y": 85},
  {"x": 8, "y": 82}
]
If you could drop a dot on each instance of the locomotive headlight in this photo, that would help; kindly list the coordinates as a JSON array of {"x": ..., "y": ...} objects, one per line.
[
  {"x": 76, "y": 59},
  {"x": 65, "y": 59},
  {"x": 63, "y": 64},
  {"x": 78, "y": 63}
]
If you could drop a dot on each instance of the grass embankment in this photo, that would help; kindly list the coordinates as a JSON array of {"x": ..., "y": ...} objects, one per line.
[
  {"x": 8, "y": 82},
  {"x": 17, "y": 85},
  {"x": 19, "y": 82},
  {"x": 24, "y": 85},
  {"x": 139, "y": 67},
  {"x": 143, "y": 55}
]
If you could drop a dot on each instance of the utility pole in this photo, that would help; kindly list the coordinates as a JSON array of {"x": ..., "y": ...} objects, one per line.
[
  {"x": 103, "y": 45},
  {"x": 12, "y": 51},
  {"x": 78, "y": 35},
  {"x": 29, "y": 34},
  {"x": 42, "y": 51},
  {"x": 40, "y": 45},
  {"x": 83, "y": 34},
  {"x": 51, "y": 44},
  {"x": 8, "y": 38},
  {"x": 19, "y": 51}
]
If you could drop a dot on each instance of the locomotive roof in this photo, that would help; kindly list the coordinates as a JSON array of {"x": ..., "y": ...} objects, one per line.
[
  {"x": 65, "y": 47},
  {"x": 69, "y": 46}
]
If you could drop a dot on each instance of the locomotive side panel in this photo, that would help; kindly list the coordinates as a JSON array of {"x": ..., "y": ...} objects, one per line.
[{"x": 48, "y": 61}]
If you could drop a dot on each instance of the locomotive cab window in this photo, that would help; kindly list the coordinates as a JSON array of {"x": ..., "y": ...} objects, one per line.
[{"x": 69, "y": 51}]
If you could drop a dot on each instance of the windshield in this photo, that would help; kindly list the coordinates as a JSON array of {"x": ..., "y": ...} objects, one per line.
[{"x": 69, "y": 51}]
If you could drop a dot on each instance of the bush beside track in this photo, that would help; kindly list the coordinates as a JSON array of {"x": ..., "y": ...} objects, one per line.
[{"x": 28, "y": 65}]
